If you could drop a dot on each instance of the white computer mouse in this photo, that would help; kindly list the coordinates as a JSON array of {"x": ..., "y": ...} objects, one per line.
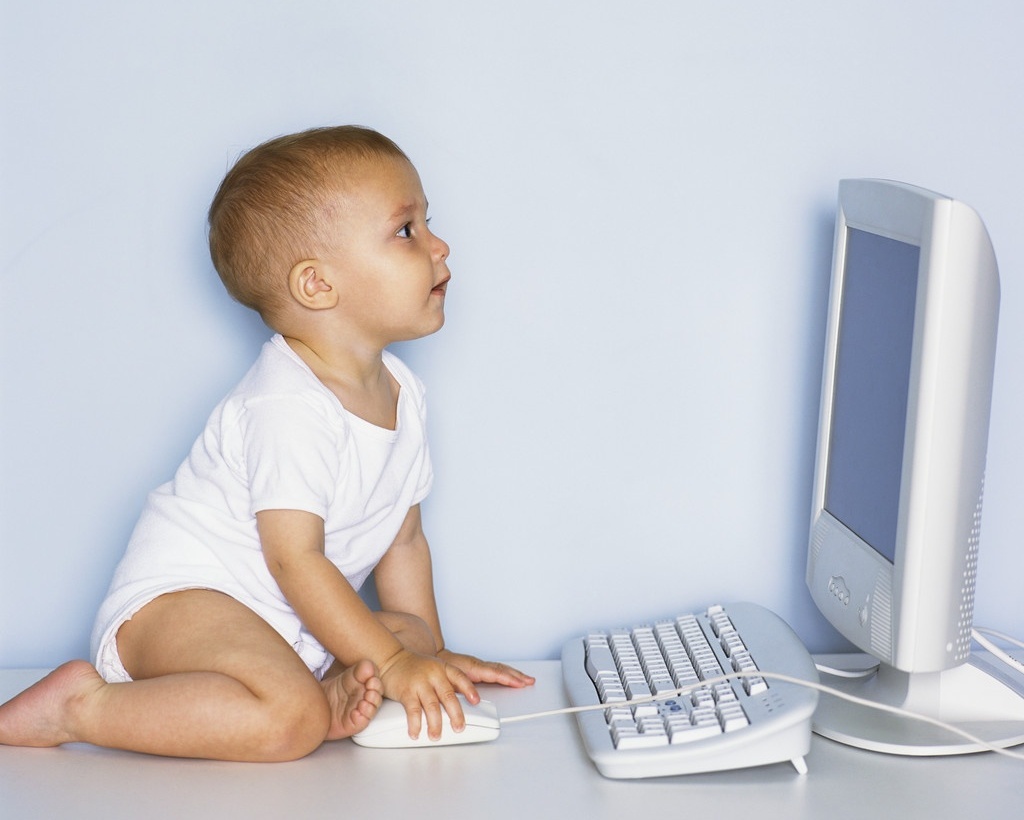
[{"x": 389, "y": 728}]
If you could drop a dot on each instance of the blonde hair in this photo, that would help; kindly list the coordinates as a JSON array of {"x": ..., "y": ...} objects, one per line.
[{"x": 268, "y": 213}]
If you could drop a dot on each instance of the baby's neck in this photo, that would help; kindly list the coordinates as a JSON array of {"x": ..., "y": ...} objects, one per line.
[{"x": 363, "y": 384}]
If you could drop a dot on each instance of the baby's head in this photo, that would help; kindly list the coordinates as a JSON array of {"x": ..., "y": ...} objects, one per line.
[{"x": 271, "y": 211}]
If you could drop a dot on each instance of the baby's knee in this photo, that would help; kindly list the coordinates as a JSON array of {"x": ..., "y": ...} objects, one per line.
[
  {"x": 298, "y": 725},
  {"x": 411, "y": 630}
]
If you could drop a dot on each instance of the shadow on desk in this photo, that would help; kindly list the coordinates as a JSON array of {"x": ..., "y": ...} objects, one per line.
[{"x": 536, "y": 770}]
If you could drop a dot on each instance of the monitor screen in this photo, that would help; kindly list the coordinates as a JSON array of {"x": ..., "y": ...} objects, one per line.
[{"x": 872, "y": 376}]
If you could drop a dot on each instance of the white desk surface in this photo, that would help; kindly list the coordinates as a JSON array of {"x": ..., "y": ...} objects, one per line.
[{"x": 534, "y": 770}]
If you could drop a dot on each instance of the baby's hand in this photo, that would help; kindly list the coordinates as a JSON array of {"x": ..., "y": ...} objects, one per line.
[
  {"x": 425, "y": 685},
  {"x": 480, "y": 671}
]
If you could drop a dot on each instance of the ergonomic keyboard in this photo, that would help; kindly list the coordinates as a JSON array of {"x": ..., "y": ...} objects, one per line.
[{"x": 745, "y": 721}]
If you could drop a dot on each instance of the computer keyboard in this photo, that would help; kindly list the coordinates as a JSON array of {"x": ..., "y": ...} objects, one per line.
[{"x": 742, "y": 722}]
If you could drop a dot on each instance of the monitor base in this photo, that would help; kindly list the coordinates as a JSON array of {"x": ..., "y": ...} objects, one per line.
[{"x": 983, "y": 697}]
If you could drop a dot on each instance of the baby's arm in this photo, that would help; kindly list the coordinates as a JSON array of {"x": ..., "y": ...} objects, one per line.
[
  {"x": 404, "y": 579},
  {"x": 293, "y": 547}
]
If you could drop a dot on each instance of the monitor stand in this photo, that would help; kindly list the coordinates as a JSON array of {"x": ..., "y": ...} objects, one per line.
[{"x": 984, "y": 697}]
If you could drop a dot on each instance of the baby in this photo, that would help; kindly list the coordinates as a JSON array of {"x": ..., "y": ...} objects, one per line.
[{"x": 233, "y": 628}]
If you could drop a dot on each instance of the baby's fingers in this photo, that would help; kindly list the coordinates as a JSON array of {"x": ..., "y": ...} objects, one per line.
[
  {"x": 453, "y": 708},
  {"x": 505, "y": 675},
  {"x": 488, "y": 671},
  {"x": 432, "y": 711},
  {"x": 462, "y": 682}
]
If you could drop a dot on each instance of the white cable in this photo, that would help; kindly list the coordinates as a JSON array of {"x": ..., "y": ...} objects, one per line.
[
  {"x": 685, "y": 690},
  {"x": 1000, "y": 635},
  {"x": 1005, "y": 657}
]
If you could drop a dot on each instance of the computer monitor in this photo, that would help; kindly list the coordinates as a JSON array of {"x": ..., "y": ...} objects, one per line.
[{"x": 899, "y": 474}]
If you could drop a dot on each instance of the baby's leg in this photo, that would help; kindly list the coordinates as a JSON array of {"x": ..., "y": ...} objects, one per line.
[
  {"x": 211, "y": 679},
  {"x": 412, "y": 631}
]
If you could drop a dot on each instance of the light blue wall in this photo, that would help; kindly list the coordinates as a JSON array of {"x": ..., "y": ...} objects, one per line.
[{"x": 639, "y": 199}]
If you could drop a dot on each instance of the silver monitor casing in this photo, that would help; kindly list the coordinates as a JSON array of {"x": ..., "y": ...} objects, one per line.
[
  {"x": 916, "y": 613},
  {"x": 913, "y": 616}
]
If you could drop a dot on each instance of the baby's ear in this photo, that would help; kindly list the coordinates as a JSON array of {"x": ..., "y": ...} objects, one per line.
[{"x": 310, "y": 286}]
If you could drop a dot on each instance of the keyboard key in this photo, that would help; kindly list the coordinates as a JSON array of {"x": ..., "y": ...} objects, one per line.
[
  {"x": 687, "y": 732},
  {"x": 639, "y": 741},
  {"x": 732, "y": 718},
  {"x": 731, "y": 643},
  {"x": 723, "y": 693},
  {"x": 599, "y": 659},
  {"x": 704, "y": 716},
  {"x": 618, "y": 713},
  {"x": 702, "y": 698},
  {"x": 755, "y": 686},
  {"x": 642, "y": 710},
  {"x": 662, "y": 686}
]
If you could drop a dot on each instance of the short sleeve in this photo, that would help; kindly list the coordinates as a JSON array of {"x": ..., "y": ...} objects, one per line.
[{"x": 291, "y": 455}]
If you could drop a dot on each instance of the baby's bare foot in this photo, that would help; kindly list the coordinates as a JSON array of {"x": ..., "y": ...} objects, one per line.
[
  {"x": 42, "y": 715},
  {"x": 354, "y": 695}
]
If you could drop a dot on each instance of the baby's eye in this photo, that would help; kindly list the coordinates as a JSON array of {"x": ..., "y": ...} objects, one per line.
[{"x": 405, "y": 232}]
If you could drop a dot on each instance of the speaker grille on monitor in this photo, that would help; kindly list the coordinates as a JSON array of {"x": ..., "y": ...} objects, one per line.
[
  {"x": 970, "y": 578},
  {"x": 817, "y": 539},
  {"x": 881, "y": 616}
]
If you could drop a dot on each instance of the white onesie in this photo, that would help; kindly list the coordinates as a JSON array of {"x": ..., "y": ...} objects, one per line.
[{"x": 279, "y": 440}]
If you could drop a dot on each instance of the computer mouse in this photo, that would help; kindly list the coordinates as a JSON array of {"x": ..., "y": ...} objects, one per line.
[{"x": 389, "y": 728}]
